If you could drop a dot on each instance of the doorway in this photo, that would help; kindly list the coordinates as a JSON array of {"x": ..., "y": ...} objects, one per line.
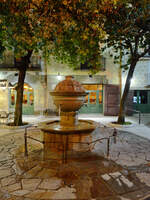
[
  {"x": 141, "y": 100},
  {"x": 28, "y": 99},
  {"x": 94, "y": 99}
]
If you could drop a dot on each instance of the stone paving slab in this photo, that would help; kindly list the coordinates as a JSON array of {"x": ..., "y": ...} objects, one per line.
[{"x": 124, "y": 175}]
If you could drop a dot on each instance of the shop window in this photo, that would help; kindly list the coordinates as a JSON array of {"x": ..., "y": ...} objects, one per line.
[
  {"x": 143, "y": 97},
  {"x": 93, "y": 97},
  {"x": 31, "y": 99},
  {"x": 25, "y": 99},
  {"x": 86, "y": 99},
  {"x": 28, "y": 95},
  {"x": 140, "y": 97},
  {"x": 100, "y": 98},
  {"x": 135, "y": 97}
]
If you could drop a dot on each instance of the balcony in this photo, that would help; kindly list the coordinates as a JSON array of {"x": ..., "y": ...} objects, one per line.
[{"x": 8, "y": 63}]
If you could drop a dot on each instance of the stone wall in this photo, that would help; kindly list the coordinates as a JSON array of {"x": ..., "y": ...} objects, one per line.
[
  {"x": 140, "y": 76},
  {"x": 111, "y": 71},
  {"x": 56, "y": 72}
]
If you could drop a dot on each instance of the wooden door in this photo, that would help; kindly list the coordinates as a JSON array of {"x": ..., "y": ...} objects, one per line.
[{"x": 111, "y": 99}]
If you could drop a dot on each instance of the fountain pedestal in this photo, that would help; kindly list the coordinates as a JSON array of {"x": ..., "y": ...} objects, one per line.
[{"x": 68, "y": 118}]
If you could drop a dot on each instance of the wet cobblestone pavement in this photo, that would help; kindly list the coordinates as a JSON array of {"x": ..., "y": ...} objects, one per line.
[{"x": 88, "y": 174}]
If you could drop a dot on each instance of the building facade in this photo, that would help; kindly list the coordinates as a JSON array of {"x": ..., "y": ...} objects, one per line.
[
  {"x": 139, "y": 95},
  {"x": 42, "y": 77}
]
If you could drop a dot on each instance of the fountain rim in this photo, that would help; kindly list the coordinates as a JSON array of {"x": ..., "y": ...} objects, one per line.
[
  {"x": 92, "y": 126},
  {"x": 68, "y": 93}
]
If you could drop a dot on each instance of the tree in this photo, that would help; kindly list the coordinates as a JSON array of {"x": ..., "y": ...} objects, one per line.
[
  {"x": 127, "y": 25},
  {"x": 2, "y": 33},
  {"x": 23, "y": 33},
  {"x": 66, "y": 29},
  {"x": 78, "y": 36},
  {"x": 18, "y": 36}
]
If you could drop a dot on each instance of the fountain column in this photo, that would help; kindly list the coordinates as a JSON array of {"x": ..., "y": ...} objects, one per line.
[{"x": 68, "y": 118}]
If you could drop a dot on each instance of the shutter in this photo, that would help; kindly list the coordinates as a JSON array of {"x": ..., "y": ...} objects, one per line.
[{"x": 111, "y": 99}]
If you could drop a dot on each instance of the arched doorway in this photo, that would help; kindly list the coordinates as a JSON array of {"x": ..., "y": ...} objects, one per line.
[{"x": 28, "y": 99}]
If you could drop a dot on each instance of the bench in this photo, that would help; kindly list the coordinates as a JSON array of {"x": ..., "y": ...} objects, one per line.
[{"x": 6, "y": 117}]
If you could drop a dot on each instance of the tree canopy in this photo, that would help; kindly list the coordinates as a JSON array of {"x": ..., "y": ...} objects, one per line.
[
  {"x": 70, "y": 30},
  {"x": 127, "y": 25},
  {"x": 65, "y": 28}
]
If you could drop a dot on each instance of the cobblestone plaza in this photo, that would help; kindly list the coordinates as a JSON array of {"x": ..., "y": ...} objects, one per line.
[{"x": 124, "y": 174}]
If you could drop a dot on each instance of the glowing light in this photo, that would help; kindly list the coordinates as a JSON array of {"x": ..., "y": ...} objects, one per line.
[{"x": 59, "y": 76}]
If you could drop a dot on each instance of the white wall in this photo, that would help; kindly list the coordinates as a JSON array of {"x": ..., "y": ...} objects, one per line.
[
  {"x": 140, "y": 76},
  {"x": 4, "y": 100}
]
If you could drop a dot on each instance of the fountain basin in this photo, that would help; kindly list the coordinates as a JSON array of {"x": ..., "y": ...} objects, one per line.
[
  {"x": 54, "y": 127},
  {"x": 68, "y": 95},
  {"x": 62, "y": 142},
  {"x": 69, "y": 101}
]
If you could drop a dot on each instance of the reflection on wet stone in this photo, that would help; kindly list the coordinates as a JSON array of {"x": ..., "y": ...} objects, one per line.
[{"x": 65, "y": 147}]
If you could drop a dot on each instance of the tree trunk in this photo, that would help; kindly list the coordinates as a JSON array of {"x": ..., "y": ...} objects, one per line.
[
  {"x": 121, "y": 116},
  {"x": 19, "y": 100},
  {"x": 23, "y": 65},
  {"x": 45, "y": 87}
]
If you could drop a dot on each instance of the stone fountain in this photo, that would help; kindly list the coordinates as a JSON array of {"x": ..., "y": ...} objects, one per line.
[{"x": 65, "y": 134}]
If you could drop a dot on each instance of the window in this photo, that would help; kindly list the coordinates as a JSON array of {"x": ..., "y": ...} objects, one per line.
[
  {"x": 85, "y": 65},
  {"x": 25, "y": 99},
  {"x": 92, "y": 96},
  {"x": 140, "y": 97},
  {"x": 95, "y": 94},
  {"x": 135, "y": 97},
  {"x": 31, "y": 99},
  {"x": 143, "y": 97}
]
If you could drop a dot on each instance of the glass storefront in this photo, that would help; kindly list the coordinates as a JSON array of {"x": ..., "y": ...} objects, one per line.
[
  {"x": 28, "y": 99},
  {"x": 141, "y": 100},
  {"x": 94, "y": 99}
]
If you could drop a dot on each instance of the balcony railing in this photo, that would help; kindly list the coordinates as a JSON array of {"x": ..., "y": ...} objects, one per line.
[{"x": 8, "y": 63}]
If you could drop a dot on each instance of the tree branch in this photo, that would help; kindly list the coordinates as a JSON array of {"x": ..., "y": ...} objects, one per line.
[
  {"x": 130, "y": 46},
  {"x": 136, "y": 45},
  {"x": 144, "y": 53}
]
